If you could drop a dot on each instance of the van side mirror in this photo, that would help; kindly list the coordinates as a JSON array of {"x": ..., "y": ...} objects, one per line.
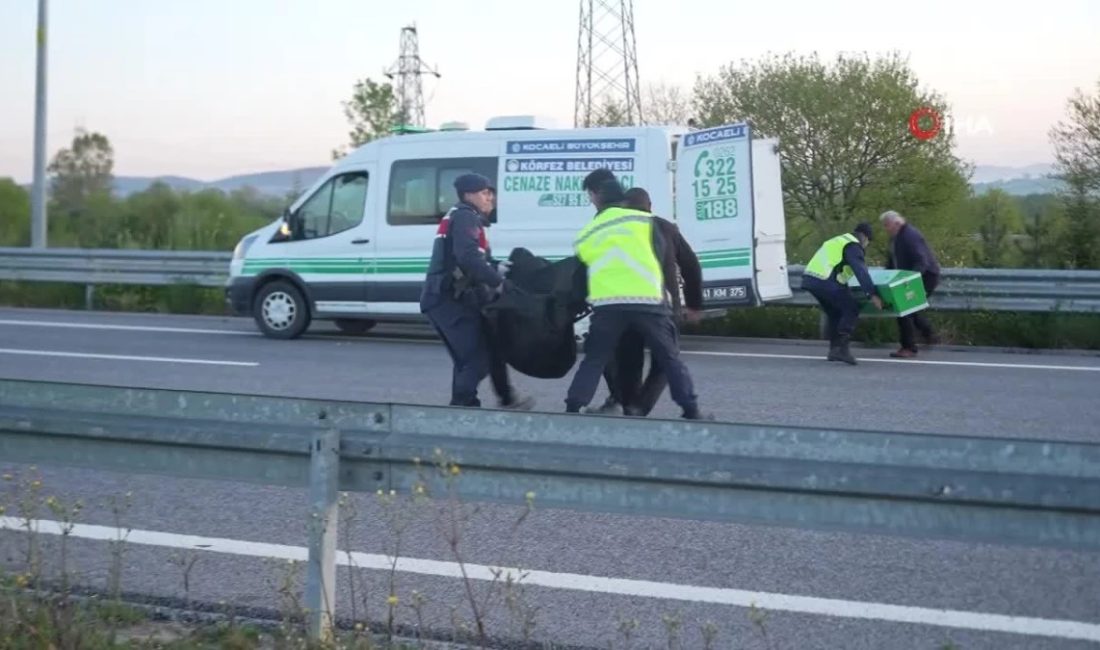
[{"x": 286, "y": 228}]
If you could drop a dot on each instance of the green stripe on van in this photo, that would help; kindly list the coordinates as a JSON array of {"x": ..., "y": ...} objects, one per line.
[
  {"x": 419, "y": 265},
  {"x": 730, "y": 252},
  {"x": 726, "y": 263}
]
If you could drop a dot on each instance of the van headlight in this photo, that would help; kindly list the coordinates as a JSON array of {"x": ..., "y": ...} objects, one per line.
[{"x": 242, "y": 247}]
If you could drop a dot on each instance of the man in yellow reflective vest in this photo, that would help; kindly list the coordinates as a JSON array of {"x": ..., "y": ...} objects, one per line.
[
  {"x": 826, "y": 278},
  {"x": 622, "y": 252}
]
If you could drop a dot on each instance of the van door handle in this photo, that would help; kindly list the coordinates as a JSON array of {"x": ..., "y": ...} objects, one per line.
[{"x": 360, "y": 241}]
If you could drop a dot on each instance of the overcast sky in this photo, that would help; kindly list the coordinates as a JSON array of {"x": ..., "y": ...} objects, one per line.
[{"x": 210, "y": 88}]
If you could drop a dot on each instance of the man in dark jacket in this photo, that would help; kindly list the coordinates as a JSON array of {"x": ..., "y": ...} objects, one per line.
[
  {"x": 622, "y": 252},
  {"x": 624, "y": 373},
  {"x": 462, "y": 278},
  {"x": 910, "y": 252}
]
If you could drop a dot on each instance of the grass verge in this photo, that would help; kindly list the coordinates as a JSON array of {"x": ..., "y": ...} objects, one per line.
[{"x": 44, "y": 606}]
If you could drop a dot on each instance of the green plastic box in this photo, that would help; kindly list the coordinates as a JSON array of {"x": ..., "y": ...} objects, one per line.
[{"x": 902, "y": 293}]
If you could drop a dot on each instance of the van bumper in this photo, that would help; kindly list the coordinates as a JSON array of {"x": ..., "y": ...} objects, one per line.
[{"x": 238, "y": 295}]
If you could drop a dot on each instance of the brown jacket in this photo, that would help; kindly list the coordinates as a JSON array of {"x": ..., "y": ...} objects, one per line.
[{"x": 678, "y": 260}]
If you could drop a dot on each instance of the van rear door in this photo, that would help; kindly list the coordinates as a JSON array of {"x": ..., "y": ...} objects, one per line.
[
  {"x": 714, "y": 210},
  {"x": 770, "y": 223}
]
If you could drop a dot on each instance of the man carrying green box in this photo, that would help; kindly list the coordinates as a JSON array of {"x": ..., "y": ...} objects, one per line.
[
  {"x": 909, "y": 251},
  {"x": 826, "y": 278}
]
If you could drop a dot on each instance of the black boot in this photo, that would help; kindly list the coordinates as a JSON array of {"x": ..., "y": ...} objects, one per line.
[
  {"x": 834, "y": 344},
  {"x": 695, "y": 414},
  {"x": 842, "y": 352}
]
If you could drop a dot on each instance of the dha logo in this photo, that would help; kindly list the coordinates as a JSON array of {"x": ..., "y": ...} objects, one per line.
[{"x": 926, "y": 123}]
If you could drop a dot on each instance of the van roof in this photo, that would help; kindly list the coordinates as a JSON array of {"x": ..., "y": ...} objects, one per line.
[{"x": 369, "y": 151}]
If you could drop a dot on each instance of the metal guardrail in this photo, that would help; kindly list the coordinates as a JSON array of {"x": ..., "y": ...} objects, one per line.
[
  {"x": 97, "y": 266},
  {"x": 114, "y": 266},
  {"x": 961, "y": 289},
  {"x": 1028, "y": 290},
  {"x": 1007, "y": 491}
]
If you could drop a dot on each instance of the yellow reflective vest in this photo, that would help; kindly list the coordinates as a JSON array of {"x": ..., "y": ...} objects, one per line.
[
  {"x": 827, "y": 258},
  {"x": 623, "y": 268}
]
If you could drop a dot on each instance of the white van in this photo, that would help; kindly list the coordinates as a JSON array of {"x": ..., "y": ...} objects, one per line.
[{"x": 354, "y": 248}]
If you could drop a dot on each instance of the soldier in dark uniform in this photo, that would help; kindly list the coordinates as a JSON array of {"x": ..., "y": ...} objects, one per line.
[{"x": 462, "y": 277}]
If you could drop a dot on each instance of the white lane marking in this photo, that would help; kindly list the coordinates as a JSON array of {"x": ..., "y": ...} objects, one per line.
[
  {"x": 320, "y": 336},
  {"x": 126, "y": 357},
  {"x": 1059, "y": 628},
  {"x": 330, "y": 337},
  {"x": 821, "y": 357},
  {"x": 124, "y": 328}
]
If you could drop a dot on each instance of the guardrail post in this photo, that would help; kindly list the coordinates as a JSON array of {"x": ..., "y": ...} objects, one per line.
[
  {"x": 89, "y": 296},
  {"x": 320, "y": 593}
]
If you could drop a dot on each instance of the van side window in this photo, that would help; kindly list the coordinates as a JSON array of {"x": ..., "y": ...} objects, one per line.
[
  {"x": 336, "y": 206},
  {"x": 422, "y": 190}
]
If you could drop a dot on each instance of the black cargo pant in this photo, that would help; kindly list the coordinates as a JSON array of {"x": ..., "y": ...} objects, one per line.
[
  {"x": 467, "y": 335},
  {"x": 658, "y": 331},
  {"x": 909, "y": 325},
  {"x": 624, "y": 376},
  {"x": 838, "y": 303}
]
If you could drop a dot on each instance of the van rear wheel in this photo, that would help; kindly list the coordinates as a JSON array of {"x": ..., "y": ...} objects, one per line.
[
  {"x": 280, "y": 310},
  {"x": 355, "y": 325}
]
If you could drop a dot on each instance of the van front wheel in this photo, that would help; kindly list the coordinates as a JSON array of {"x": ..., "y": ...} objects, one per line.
[{"x": 281, "y": 311}]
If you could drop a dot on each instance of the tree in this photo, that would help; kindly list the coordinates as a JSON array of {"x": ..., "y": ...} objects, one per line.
[
  {"x": 15, "y": 214},
  {"x": 81, "y": 171},
  {"x": 1043, "y": 221},
  {"x": 666, "y": 104},
  {"x": 296, "y": 188},
  {"x": 611, "y": 113},
  {"x": 1077, "y": 142},
  {"x": 1077, "y": 154},
  {"x": 844, "y": 139},
  {"x": 373, "y": 111},
  {"x": 1080, "y": 237},
  {"x": 997, "y": 216},
  {"x": 149, "y": 217}
]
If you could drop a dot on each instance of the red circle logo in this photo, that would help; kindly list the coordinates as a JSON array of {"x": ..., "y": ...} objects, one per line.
[{"x": 915, "y": 127}]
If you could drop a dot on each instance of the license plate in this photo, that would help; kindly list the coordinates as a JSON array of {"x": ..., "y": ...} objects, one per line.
[{"x": 725, "y": 293}]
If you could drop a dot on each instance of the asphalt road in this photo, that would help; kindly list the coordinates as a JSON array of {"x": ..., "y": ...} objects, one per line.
[{"x": 1045, "y": 396}]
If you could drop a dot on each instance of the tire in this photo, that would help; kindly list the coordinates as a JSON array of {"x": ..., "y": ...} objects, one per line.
[
  {"x": 355, "y": 325},
  {"x": 280, "y": 310}
]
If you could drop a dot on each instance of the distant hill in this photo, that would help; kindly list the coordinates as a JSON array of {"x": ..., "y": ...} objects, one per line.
[
  {"x": 1021, "y": 186},
  {"x": 1029, "y": 179},
  {"x": 277, "y": 183},
  {"x": 1019, "y": 181},
  {"x": 126, "y": 185},
  {"x": 991, "y": 173}
]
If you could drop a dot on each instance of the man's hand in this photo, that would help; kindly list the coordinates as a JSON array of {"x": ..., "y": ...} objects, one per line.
[
  {"x": 503, "y": 267},
  {"x": 877, "y": 302},
  {"x": 693, "y": 315}
]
